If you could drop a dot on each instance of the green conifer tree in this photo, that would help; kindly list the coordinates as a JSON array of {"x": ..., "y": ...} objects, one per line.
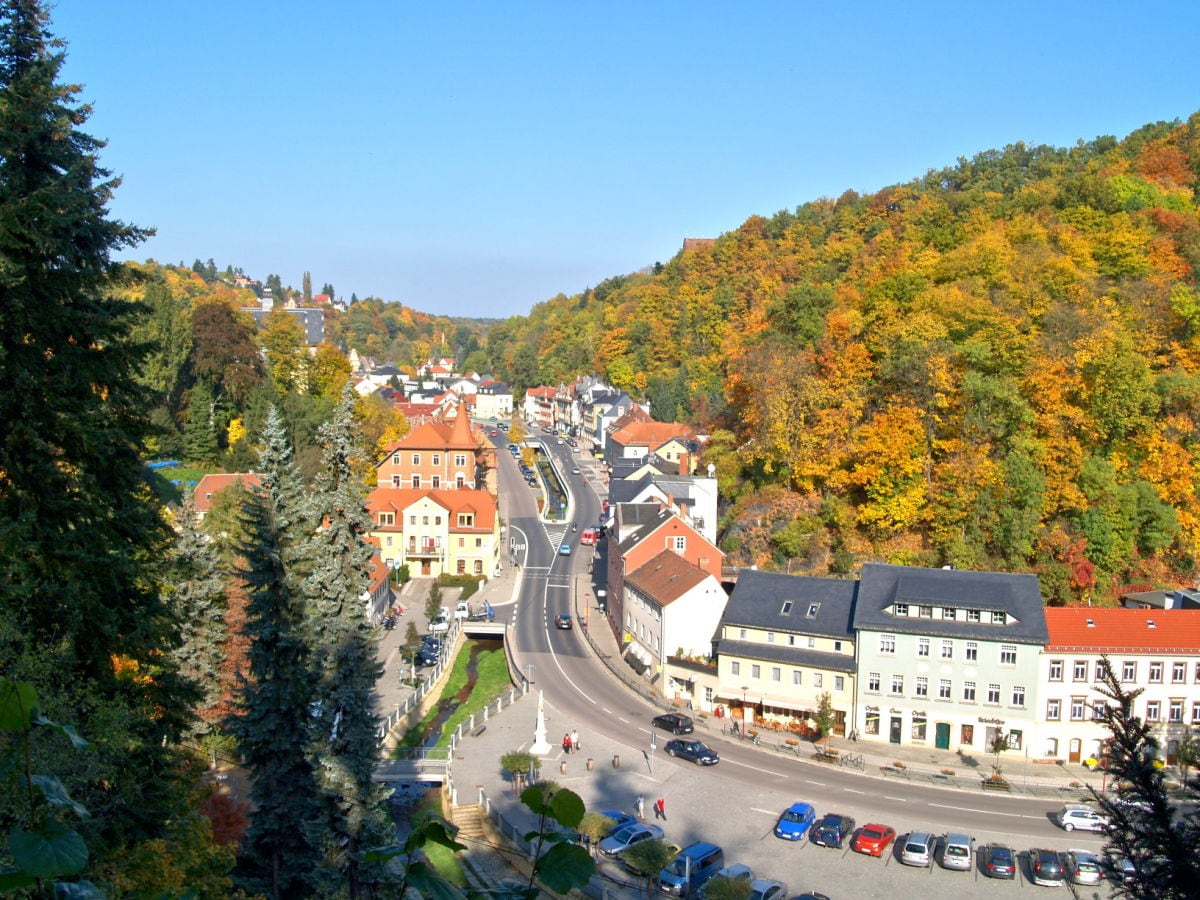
[
  {"x": 344, "y": 752},
  {"x": 274, "y": 720},
  {"x": 199, "y": 432}
]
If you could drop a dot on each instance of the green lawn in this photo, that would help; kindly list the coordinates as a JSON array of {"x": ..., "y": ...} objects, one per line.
[{"x": 491, "y": 681}]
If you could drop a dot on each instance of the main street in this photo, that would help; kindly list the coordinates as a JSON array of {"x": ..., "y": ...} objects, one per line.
[{"x": 751, "y": 786}]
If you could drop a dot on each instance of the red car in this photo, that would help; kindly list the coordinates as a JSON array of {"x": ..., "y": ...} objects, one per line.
[{"x": 873, "y": 839}]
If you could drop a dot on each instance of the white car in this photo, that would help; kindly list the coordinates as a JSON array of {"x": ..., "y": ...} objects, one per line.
[
  {"x": 624, "y": 838},
  {"x": 1073, "y": 816}
]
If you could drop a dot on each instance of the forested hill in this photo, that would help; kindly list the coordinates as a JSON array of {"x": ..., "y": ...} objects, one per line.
[{"x": 995, "y": 365}]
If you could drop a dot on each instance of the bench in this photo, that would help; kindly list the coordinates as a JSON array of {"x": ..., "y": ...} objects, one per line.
[{"x": 479, "y": 730}]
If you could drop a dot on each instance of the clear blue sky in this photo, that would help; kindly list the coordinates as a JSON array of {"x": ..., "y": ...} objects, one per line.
[{"x": 477, "y": 158}]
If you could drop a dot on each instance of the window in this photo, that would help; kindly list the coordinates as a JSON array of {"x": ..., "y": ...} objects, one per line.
[
  {"x": 791, "y": 640},
  {"x": 387, "y": 518},
  {"x": 437, "y": 482},
  {"x": 1156, "y": 672},
  {"x": 1056, "y": 669},
  {"x": 1196, "y": 677},
  {"x": 1178, "y": 672},
  {"x": 416, "y": 458},
  {"x": 1099, "y": 707},
  {"x": 812, "y": 642},
  {"x": 1015, "y": 737},
  {"x": 837, "y": 646},
  {"x": 872, "y": 723},
  {"x": 678, "y": 544},
  {"x": 1129, "y": 671},
  {"x": 395, "y": 459},
  {"x": 460, "y": 460},
  {"x": 999, "y": 617},
  {"x": 786, "y": 609},
  {"x": 1153, "y": 709},
  {"x": 796, "y": 677},
  {"x": 973, "y": 615},
  {"x": 969, "y": 691},
  {"x": 1008, "y": 654},
  {"x": 1079, "y": 671},
  {"x": 918, "y": 726},
  {"x": 944, "y": 689},
  {"x": 776, "y": 673},
  {"x": 437, "y": 459},
  {"x": 818, "y": 680},
  {"x": 947, "y": 649},
  {"x": 466, "y": 520},
  {"x": 1018, "y": 695},
  {"x": 735, "y": 668},
  {"x": 925, "y": 612},
  {"x": 897, "y": 684},
  {"x": 1053, "y": 710},
  {"x": 479, "y": 568},
  {"x": 770, "y": 637},
  {"x": 922, "y": 686},
  {"x": 873, "y": 682},
  {"x": 993, "y": 693},
  {"x": 1076, "y": 709},
  {"x": 812, "y": 610},
  {"x": 887, "y": 644},
  {"x": 949, "y": 612},
  {"x": 1176, "y": 714},
  {"x": 416, "y": 482},
  {"x": 412, "y": 520},
  {"x": 755, "y": 671},
  {"x": 922, "y": 646},
  {"x": 741, "y": 634},
  {"x": 1101, "y": 670},
  {"x": 839, "y": 682},
  {"x": 972, "y": 651},
  {"x": 1196, "y": 712},
  {"x": 902, "y": 609}
]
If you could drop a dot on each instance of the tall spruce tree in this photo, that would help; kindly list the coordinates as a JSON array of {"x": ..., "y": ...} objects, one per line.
[
  {"x": 1157, "y": 836},
  {"x": 274, "y": 720},
  {"x": 345, "y": 665},
  {"x": 80, "y": 534}
]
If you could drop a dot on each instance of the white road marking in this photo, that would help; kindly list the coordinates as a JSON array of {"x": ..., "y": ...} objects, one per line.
[
  {"x": 621, "y": 719},
  {"x": 897, "y": 799},
  {"x": 990, "y": 812},
  {"x": 817, "y": 783},
  {"x": 853, "y": 791},
  {"x": 769, "y": 812},
  {"x": 734, "y": 762}
]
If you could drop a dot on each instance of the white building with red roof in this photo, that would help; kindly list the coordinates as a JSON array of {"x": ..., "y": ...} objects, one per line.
[
  {"x": 211, "y": 485},
  {"x": 1156, "y": 651}
]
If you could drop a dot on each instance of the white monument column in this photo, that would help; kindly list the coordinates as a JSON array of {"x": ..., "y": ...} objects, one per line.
[{"x": 540, "y": 747}]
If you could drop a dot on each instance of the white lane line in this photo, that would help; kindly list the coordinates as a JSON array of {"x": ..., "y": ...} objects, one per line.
[
  {"x": 734, "y": 762},
  {"x": 990, "y": 812},
  {"x": 897, "y": 799},
  {"x": 554, "y": 656},
  {"x": 606, "y": 710},
  {"x": 769, "y": 812},
  {"x": 621, "y": 719},
  {"x": 817, "y": 783},
  {"x": 853, "y": 791}
]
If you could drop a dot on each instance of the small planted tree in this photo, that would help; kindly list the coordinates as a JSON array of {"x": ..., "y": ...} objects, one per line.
[
  {"x": 999, "y": 745},
  {"x": 722, "y": 887},
  {"x": 595, "y": 826},
  {"x": 520, "y": 765},
  {"x": 434, "y": 603},
  {"x": 825, "y": 717},
  {"x": 647, "y": 858}
]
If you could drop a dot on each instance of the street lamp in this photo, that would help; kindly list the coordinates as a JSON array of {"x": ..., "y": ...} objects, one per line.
[
  {"x": 744, "y": 689},
  {"x": 528, "y": 675}
]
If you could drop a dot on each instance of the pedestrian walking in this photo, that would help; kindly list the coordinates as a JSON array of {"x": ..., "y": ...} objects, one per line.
[
  {"x": 566, "y": 745},
  {"x": 660, "y": 809},
  {"x": 575, "y": 741},
  {"x": 640, "y": 806}
]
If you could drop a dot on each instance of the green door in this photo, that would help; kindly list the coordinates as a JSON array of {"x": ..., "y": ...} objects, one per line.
[{"x": 943, "y": 736}]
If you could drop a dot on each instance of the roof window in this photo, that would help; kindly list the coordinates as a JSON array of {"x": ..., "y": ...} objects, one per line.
[
  {"x": 786, "y": 610},
  {"x": 812, "y": 610}
]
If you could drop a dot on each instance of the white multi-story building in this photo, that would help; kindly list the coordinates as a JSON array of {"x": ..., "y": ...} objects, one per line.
[{"x": 1155, "y": 651}]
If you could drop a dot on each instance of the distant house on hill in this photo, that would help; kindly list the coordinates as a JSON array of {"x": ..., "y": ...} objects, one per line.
[
  {"x": 693, "y": 243},
  {"x": 211, "y": 485}
]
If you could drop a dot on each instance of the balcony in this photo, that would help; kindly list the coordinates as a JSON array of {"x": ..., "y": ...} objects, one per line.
[{"x": 424, "y": 550}]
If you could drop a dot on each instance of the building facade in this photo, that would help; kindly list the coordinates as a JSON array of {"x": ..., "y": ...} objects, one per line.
[{"x": 455, "y": 532}]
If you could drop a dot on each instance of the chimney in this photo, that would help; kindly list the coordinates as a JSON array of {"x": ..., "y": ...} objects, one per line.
[{"x": 684, "y": 464}]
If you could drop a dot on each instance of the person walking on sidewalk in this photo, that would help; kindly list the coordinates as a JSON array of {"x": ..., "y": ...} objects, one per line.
[
  {"x": 640, "y": 805},
  {"x": 566, "y": 745},
  {"x": 575, "y": 741},
  {"x": 660, "y": 809}
]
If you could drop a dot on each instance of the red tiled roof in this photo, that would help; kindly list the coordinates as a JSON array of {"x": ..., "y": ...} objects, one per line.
[
  {"x": 1124, "y": 630},
  {"x": 651, "y": 434},
  {"x": 666, "y": 577},
  {"x": 211, "y": 485},
  {"x": 481, "y": 503}
]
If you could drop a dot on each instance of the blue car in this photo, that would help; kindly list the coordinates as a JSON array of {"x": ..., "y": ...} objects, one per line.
[
  {"x": 620, "y": 819},
  {"x": 697, "y": 752},
  {"x": 564, "y": 550},
  {"x": 795, "y": 821}
]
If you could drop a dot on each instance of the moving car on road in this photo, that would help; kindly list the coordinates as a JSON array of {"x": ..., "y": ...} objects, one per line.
[
  {"x": 795, "y": 821},
  {"x": 873, "y": 839},
  {"x": 562, "y": 621},
  {"x": 564, "y": 549},
  {"x": 1074, "y": 815},
  {"x": 676, "y": 723},
  {"x": 696, "y": 751}
]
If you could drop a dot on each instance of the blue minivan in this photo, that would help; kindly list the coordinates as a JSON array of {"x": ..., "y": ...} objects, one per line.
[{"x": 687, "y": 872}]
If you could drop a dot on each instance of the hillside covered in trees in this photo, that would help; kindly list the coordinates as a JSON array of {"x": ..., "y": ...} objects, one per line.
[{"x": 995, "y": 365}]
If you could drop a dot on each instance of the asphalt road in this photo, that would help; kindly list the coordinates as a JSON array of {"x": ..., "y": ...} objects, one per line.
[{"x": 737, "y": 802}]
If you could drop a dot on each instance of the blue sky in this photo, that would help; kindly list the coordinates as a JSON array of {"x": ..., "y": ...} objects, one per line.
[{"x": 477, "y": 158}]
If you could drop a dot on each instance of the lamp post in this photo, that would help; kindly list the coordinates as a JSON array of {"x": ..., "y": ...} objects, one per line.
[
  {"x": 528, "y": 675},
  {"x": 653, "y": 747}
]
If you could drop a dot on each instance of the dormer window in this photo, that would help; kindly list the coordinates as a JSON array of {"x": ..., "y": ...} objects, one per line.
[
  {"x": 902, "y": 609},
  {"x": 925, "y": 612},
  {"x": 812, "y": 610},
  {"x": 786, "y": 609},
  {"x": 999, "y": 617},
  {"x": 949, "y": 612}
]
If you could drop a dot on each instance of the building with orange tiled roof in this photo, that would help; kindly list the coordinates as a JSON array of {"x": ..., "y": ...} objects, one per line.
[
  {"x": 639, "y": 438},
  {"x": 439, "y": 455},
  {"x": 538, "y": 406},
  {"x": 436, "y": 531},
  {"x": 1156, "y": 651},
  {"x": 211, "y": 485}
]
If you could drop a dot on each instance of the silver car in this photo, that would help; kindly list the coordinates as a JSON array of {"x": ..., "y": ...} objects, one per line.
[
  {"x": 918, "y": 849},
  {"x": 956, "y": 852},
  {"x": 1083, "y": 867}
]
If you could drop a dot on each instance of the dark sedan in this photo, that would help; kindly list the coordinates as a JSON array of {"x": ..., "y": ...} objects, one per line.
[
  {"x": 832, "y": 830},
  {"x": 1046, "y": 868},
  {"x": 697, "y": 752},
  {"x": 674, "y": 723},
  {"x": 999, "y": 861}
]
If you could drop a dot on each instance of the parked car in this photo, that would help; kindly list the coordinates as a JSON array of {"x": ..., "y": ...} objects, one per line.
[
  {"x": 562, "y": 621},
  {"x": 619, "y": 819},
  {"x": 832, "y": 830},
  {"x": 696, "y": 751},
  {"x": 625, "y": 837},
  {"x": 426, "y": 657},
  {"x": 762, "y": 889},
  {"x": 795, "y": 821},
  {"x": 1045, "y": 868},
  {"x": 956, "y": 852},
  {"x": 918, "y": 849},
  {"x": 691, "y": 868},
  {"x": 999, "y": 861},
  {"x": 811, "y": 895},
  {"x": 432, "y": 641},
  {"x": 675, "y": 723},
  {"x": 873, "y": 839},
  {"x": 441, "y": 623},
  {"x": 1073, "y": 816},
  {"x": 1083, "y": 867},
  {"x": 731, "y": 873},
  {"x": 564, "y": 549}
]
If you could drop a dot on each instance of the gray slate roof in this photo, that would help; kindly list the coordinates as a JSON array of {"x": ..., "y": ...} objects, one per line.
[
  {"x": 795, "y": 656},
  {"x": 758, "y": 601},
  {"x": 1018, "y": 595}
]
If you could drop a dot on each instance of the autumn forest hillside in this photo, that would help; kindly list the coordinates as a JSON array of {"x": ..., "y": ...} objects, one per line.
[{"x": 995, "y": 365}]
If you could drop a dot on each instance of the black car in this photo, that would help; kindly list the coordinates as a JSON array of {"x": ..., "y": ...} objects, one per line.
[
  {"x": 426, "y": 657},
  {"x": 998, "y": 861},
  {"x": 675, "y": 723},
  {"x": 697, "y": 752},
  {"x": 431, "y": 642},
  {"x": 562, "y": 621},
  {"x": 832, "y": 830}
]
